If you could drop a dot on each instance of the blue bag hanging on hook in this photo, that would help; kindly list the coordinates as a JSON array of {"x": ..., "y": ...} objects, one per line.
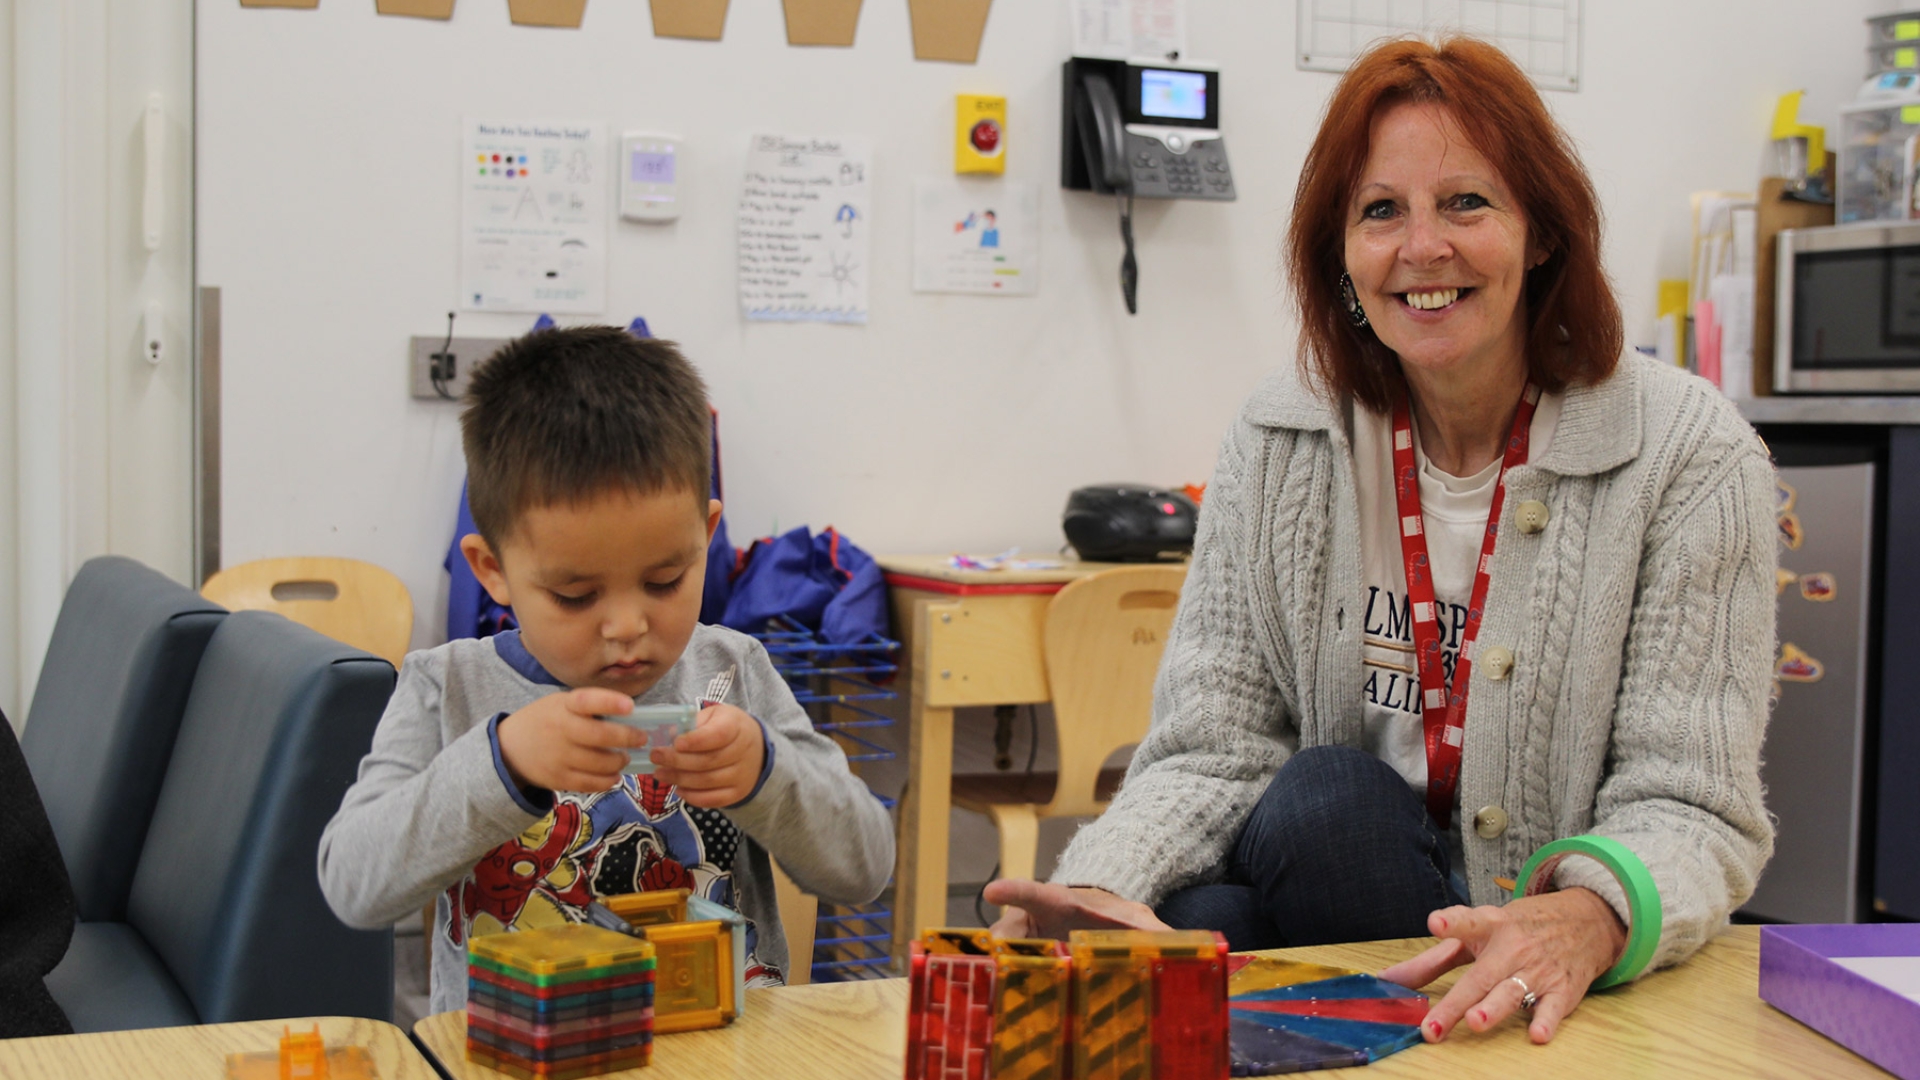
[{"x": 823, "y": 582}]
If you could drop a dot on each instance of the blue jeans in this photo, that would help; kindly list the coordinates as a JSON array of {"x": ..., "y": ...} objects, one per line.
[{"x": 1338, "y": 848}]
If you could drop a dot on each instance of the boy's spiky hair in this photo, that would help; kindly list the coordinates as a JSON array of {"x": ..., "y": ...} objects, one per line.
[{"x": 561, "y": 415}]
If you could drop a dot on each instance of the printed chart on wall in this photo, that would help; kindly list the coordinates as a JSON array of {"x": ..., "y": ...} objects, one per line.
[
  {"x": 804, "y": 232},
  {"x": 1542, "y": 36},
  {"x": 533, "y": 217},
  {"x": 1124, "y": 29},
  {"x": 971, "y": 237}
]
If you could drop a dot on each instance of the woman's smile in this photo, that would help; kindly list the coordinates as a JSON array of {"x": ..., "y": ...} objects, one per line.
[{"x": 1432, "y": 300}]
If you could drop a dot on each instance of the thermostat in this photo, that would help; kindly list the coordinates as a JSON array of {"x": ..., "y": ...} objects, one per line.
[{"x": 649, "y": 176}]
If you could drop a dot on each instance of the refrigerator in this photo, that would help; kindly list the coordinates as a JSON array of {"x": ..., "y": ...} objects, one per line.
[{"x": 1814, "y": 760}]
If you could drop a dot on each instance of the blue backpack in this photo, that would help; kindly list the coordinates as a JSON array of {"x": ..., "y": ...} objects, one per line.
[{"x": 824, "y": 583}]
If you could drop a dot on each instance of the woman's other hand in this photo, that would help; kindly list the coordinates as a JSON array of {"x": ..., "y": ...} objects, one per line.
[
  {"x": 1035, "y": 910},
  {"x": 1555, "y": 943}
]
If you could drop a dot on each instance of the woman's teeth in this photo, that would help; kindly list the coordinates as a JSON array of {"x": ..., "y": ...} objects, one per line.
[{"x": 1432, "y": 301}]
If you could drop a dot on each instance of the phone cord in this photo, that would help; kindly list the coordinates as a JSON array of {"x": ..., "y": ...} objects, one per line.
[{"x": 1129, "y": 270}]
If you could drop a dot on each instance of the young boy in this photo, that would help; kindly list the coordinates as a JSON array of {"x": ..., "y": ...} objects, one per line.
[{"x": 492, "y": 783}]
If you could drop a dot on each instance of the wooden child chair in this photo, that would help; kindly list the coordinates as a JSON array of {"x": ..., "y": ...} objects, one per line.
[
  {"x": 1104, "y": 635},
  {"x": 346, "y": 599}
]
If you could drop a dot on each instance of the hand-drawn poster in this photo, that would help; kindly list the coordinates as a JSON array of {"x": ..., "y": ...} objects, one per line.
[
  {"x": 804, "y": 243},
  {"x": 1129, "y": 29},
  {"x": 533, "y": 217},
  {"x": 976, "y": 237}
]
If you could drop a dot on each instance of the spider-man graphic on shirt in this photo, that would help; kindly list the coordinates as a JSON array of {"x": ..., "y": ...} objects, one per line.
[{"x": 638, "y": 837}]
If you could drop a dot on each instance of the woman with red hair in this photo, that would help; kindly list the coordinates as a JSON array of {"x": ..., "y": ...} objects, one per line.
[{"x": 1474, "y": 585}]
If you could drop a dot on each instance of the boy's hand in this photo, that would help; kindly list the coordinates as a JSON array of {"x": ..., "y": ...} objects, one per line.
[
  {"x": 717, "y": 763},
  {"x": 561, "y": 744}
]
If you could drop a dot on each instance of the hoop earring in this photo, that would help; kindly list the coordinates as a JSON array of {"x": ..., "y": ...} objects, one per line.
[{"x": 1356, "y": 315}]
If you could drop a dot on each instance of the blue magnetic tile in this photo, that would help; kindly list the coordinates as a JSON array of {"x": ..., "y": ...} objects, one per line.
[
  {"x": 1378, "y": 1040},
  {"x": 1346, "y": 987},
  {"x": 1259, "y": 1050}
]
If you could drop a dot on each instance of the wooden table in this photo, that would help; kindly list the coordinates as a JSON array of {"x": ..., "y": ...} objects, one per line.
[
  {"x": 1702, "y": 1019},
  {"x": 968, "y": 637},
  {"x": 199, "y": 1053}
]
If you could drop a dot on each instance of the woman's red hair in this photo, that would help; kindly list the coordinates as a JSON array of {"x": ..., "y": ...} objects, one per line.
[{"x": 1574, "y": 333}]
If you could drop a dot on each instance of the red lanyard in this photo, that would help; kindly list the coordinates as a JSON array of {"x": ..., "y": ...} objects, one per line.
[{"x": 1444, "y": 708}]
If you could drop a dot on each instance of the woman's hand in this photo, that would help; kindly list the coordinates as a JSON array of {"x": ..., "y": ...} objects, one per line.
[
  {"x": 1556, "y": 943},
  {"x": 1034, "y": 910}
]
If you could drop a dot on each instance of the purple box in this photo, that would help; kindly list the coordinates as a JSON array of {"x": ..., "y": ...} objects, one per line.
[{"x": 1799, "y": 976}]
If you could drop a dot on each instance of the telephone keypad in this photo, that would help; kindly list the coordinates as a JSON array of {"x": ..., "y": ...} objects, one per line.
[{"x": 1198, "y": 171}]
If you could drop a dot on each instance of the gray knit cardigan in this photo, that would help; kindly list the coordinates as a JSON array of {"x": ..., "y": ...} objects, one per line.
[{"x": 1641, "y": 621}]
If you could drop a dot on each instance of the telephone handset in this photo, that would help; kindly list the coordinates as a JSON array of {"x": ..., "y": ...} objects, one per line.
[
  {"x": 1103, "y": 133},
  {"x": 1103, "y": 143},
  {"x": 1145, "y": 129}
]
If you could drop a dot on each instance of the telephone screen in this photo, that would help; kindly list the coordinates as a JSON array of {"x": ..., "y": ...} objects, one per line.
[
  {"x": 1173, "y": 95},
  {"x": 651, "y": 168}
]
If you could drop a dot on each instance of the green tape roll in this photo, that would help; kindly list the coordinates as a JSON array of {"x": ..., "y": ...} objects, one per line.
[{"x": 1643, "y": 897}]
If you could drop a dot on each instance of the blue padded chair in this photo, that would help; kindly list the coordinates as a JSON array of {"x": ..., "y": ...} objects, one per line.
[
  {"x": 225, "y": 921},
  {"x": 104, "y": 716}
]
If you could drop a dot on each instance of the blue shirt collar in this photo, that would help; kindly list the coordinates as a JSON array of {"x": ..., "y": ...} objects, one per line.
[{"x": 507, "y": 646}]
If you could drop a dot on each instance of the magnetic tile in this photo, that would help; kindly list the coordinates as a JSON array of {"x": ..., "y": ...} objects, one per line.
[
  {"x": 1374, "y": 1010},
  {"x": 1259, "y": 1050},
  {"x": 1347, "y": 986},
  {"x": 1376, "y": 1040},
  {"x": 1266, "y": 973}
]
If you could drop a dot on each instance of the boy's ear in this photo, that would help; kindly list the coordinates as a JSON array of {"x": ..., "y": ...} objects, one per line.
[
  {"x": 713, "y": 518},
  {"x": 486, "y": 567}
]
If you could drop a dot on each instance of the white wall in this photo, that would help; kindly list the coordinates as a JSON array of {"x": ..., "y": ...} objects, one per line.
[{"x": 328, "y": 214}]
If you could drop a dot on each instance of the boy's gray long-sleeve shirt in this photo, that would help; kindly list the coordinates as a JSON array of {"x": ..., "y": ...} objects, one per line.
[{"x": 433, "y": 816}]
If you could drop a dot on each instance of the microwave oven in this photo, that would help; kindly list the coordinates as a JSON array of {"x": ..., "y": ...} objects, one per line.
[{"x": 1847, "y": 309}]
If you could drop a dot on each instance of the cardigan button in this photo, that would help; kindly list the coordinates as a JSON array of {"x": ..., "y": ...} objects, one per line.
[
  {"x": 1531, "y": 516},
  {"x": 1490, "y": 822},
  {"x": 1496, "y": 661}
]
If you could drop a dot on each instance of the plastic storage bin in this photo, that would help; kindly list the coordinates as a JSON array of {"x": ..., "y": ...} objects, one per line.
[
  {"x": 1884, "y": 29},
  {"x": 1877, "y": 172},
  {"x": 1898, "y": 56}
]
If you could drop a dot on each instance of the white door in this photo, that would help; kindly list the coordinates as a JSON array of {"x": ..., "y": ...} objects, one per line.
[{"x": 95, "y": 440}]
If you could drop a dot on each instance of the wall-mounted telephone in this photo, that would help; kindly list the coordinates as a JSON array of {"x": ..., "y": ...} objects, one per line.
[{"x": 1145, "y": 129}]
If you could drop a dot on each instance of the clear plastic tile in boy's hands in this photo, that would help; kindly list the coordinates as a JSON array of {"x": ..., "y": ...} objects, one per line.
[{"x": 662, "y": 723}]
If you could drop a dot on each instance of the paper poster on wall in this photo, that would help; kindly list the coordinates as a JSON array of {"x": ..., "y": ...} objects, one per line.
[
  {"x": 533, "y": 216},
  {"x": 1121, "y": 29},
  {"x": 822, "y": 22},
  {"x": 418, "y": 9},
  {"x": 565, "y": 14},
  {"x": 803, "y": 229},
  {"x": 974, "y": 237},
  {"x": 948, "y": 29},
  {"x": 700, "y": 20}
]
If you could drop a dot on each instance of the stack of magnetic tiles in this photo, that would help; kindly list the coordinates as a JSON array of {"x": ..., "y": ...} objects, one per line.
[
  {"x": 561, "y": 1003},
  {"x": 1108, "y": 1005},
  {"x": 1129, "y": 1005}
]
